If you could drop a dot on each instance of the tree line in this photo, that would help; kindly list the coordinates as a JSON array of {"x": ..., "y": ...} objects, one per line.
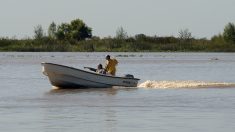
[{"x": 77, "y": 36}]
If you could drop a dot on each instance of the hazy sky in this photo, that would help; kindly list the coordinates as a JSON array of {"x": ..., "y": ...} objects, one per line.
[{"x": 204, "y": 18}]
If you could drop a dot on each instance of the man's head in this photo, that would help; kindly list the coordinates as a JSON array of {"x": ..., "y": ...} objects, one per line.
[
  {"x": 107, "y": 57},
  {"x": 100, "y": 66}
]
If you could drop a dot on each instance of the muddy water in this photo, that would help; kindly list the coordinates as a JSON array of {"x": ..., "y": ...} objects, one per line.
[{"x": 177, "y": 92}]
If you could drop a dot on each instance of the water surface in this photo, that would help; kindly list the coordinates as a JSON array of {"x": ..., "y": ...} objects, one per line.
[{"x": 188, "y": 92}]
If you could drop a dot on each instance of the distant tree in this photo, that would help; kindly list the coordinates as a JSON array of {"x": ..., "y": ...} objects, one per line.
[
  {"x": 63, "y": 32},
  {"x": 79, "y": 30},
  {"x": 140, "y": 37},
  {"x": 52, "y": 30},
  {"x": 185, "y": 34},
  {"x": 121, "y": 34},
  {"x": 76, "y": 30},
  {"x": 38, "y": 32},
  {"x": 229, "y": 33}
]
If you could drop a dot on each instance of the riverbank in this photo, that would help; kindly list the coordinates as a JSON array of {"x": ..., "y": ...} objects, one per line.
[{"x": 95, "y": 44}]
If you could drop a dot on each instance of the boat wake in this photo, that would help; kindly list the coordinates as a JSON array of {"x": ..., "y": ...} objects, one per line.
[{"x": 183, "y": 84}]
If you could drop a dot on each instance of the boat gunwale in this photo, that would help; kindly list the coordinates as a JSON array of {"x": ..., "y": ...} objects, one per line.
[{"x": 87, "y": 71}]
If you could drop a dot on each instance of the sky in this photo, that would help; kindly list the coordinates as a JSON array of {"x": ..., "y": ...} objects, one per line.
[{"x": 203, "y": 18}]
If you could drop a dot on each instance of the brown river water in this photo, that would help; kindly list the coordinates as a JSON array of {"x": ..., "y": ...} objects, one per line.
[{"x": 183, "y": 92}]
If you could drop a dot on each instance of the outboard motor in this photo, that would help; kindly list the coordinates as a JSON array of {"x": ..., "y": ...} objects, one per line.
[{"x": 128, "y": 76}]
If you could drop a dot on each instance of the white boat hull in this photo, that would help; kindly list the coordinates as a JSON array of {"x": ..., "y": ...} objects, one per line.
[{"x": 68, "y": 77}]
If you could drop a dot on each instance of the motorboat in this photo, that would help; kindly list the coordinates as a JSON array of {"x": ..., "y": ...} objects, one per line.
[{"x": 62, "y": 76}]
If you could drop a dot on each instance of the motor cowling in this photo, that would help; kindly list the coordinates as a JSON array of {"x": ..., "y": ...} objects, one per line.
[{"x": 128, "y": 76}]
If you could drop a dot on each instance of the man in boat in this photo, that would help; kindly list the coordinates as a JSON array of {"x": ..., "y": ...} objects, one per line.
[
  {"x": 100, "y": 69},
  {"x": 110, "y": 66}
]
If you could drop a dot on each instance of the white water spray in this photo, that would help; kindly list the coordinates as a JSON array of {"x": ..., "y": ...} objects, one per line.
[{"x": 183, "y": 84}]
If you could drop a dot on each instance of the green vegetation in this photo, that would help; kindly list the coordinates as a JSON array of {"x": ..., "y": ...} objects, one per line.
[
  {"x": 77, "y": 36},
  {"x": 229, "y": 33}
]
